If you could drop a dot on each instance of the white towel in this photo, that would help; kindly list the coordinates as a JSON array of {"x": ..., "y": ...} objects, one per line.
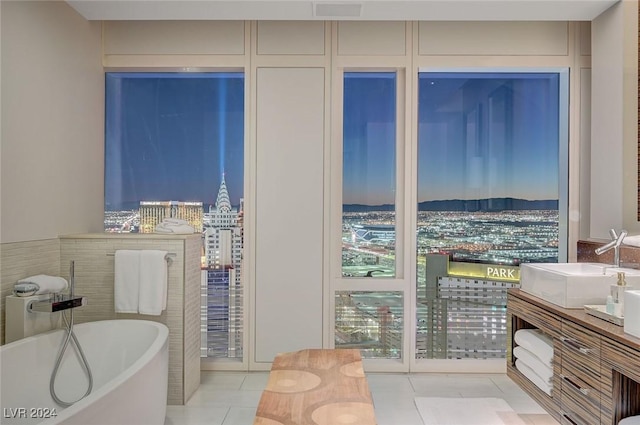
[
  {"x": 47, "y": 284},
  {"x": 542, "y": 370},
  {"x": 180, "y": 229},
  {"x": 126, "y": 280},
  {"x": 153, "y": 282},
  {"x": 537, "y": 343},
  {"x": 171, "y": 221},
  {"x": 533, "y": 377}
]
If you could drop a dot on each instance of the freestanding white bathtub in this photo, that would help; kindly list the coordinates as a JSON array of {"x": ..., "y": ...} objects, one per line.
[{"x": 129, "y": 360}]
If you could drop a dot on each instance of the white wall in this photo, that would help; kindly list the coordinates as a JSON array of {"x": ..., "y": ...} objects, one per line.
[
  {"x": 52, "y": 122},
  {"x": 614, "y": 125},
  {"x": 630, "y": 103}
]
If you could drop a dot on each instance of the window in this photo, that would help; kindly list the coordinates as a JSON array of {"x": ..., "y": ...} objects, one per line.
[
  {"x": 491, "y": 195},
  {"x": 175, "y": 148},
  {"x": 372, "y": 321},
  {"x": 369, "y": 175}
]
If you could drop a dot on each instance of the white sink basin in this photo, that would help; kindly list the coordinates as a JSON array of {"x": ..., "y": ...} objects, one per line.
[{"x": 572, "y": 285}]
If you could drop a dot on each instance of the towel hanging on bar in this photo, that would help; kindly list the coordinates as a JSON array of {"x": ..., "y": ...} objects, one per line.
[{"x": 140, "y": 281}]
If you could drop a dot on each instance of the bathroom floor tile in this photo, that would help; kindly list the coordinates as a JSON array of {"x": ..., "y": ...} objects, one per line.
[
  {"x": 538, "y": 419},
  {"x": 240, "y": 416},
  {"x": 195, "y": 415},
  {"x": 389, "y": 382},
  {"x": 255, "y": 381},
  {"x": 231, "y": 398},
  {"x": 230, "y": 380}
]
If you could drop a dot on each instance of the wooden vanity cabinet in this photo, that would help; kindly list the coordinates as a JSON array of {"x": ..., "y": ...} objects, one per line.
[
  {"x": 580, "y": 380},
  {"x": 620, "y": 371},
  {"x": 596, "y": 366}
]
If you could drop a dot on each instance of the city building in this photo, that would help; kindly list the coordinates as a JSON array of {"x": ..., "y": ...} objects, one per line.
[
  {"x": 221, "y": 283},
  {"x": 153, "y": 212}
]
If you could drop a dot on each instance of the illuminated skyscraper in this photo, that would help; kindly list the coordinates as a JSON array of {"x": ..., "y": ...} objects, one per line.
[
  {"x": 223, "y": 233},
  {"x": 221, "y": 278}
]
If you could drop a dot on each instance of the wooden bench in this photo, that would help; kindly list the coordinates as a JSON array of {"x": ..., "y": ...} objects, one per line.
[{"x": 316, "y": 387}]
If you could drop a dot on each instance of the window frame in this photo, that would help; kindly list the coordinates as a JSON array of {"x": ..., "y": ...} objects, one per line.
[
  {"x": 490, "y": 365},
  {"x": 226, "y": 364},
  {"x": 563, "y": 136},
  {"x": 401, "y": 281}
]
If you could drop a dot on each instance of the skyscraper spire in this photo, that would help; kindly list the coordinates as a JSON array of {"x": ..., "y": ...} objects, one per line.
[{"x": 223, "y": 204}]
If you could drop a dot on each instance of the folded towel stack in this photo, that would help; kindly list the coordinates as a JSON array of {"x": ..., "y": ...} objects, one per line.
[
  {"x": 47, "y": 284},
  {"x": 534, "y": 357},
  {"x": 174, "y": 225},
  {"x": 140, "y": 281}
]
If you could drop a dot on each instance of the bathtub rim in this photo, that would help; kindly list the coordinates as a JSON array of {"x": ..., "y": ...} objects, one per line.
[{"x": 157, "y": 345}]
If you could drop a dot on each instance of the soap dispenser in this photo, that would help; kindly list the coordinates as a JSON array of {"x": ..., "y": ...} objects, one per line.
[{"x": 617, "y": 292}]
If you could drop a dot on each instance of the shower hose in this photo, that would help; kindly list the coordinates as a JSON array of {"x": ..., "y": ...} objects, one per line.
[{"x": 70, "y": 335}]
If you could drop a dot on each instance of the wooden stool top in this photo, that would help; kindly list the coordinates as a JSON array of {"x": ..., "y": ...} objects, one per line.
[{"x": 316, "y": 387}]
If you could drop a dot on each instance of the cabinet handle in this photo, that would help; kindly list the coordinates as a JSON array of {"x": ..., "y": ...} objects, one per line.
[
  {"x": 575, "y": 345},
  {"x": 584, "y": 391}
]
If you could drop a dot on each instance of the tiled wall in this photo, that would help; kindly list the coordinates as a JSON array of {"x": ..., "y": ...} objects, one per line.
[
  {"x": 22, "y": 259},
  {"x": 193, "y": 251},
  {"x": 94, "y": 272},
  {"x": 94, "y": 276},
  {"x": 629, "y": 255}
]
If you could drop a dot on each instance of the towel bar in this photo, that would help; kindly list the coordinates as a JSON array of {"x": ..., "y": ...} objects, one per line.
[{"x": 169, "y": 257}]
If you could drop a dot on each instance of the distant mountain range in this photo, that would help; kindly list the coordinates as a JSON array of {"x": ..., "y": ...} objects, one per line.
[{"x": 470, "y": 205}]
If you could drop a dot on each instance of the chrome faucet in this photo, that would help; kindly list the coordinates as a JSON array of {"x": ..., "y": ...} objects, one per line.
[
  {"x": 616, "y": 242},
  {"x": 58, "y": 302}
]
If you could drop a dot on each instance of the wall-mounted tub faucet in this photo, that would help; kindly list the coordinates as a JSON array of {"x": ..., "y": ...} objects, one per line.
[
  {"x": 616, "y": 242},
  {"x": 59, "y": 301}
]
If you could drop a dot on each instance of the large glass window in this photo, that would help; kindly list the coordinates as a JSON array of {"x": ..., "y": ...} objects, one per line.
[
  {"x": 372, "y": 321},
  {"x": 369, "y": 175},
  {"x": 491, "y": 155},
  {"x": 175, "y": 149}
]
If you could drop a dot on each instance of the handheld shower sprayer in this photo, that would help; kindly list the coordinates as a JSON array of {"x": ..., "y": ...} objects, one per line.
[{"x": 70, "y": 337}]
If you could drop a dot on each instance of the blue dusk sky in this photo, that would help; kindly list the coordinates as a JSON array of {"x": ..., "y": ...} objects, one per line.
[
  {"x": 480, "y": 135},
  {"x": 171, "y": 136}
]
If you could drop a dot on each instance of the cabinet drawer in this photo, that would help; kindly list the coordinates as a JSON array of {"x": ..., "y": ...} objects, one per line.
[
  {"x": 580, "y": 353},
  {"x": 537, "y": 317},
  {"x": 622, "y": 357},
  {"x": 578, "y": 373},
  {"x": 571, "y": 418},
  {"x": 580, "y": 399}
]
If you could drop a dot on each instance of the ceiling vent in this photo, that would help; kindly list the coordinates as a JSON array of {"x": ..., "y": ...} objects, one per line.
[{"x": 337, "y": 10}]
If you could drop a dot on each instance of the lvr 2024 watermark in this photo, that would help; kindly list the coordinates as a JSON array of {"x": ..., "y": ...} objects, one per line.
[{"x": 28, "y": 412}]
